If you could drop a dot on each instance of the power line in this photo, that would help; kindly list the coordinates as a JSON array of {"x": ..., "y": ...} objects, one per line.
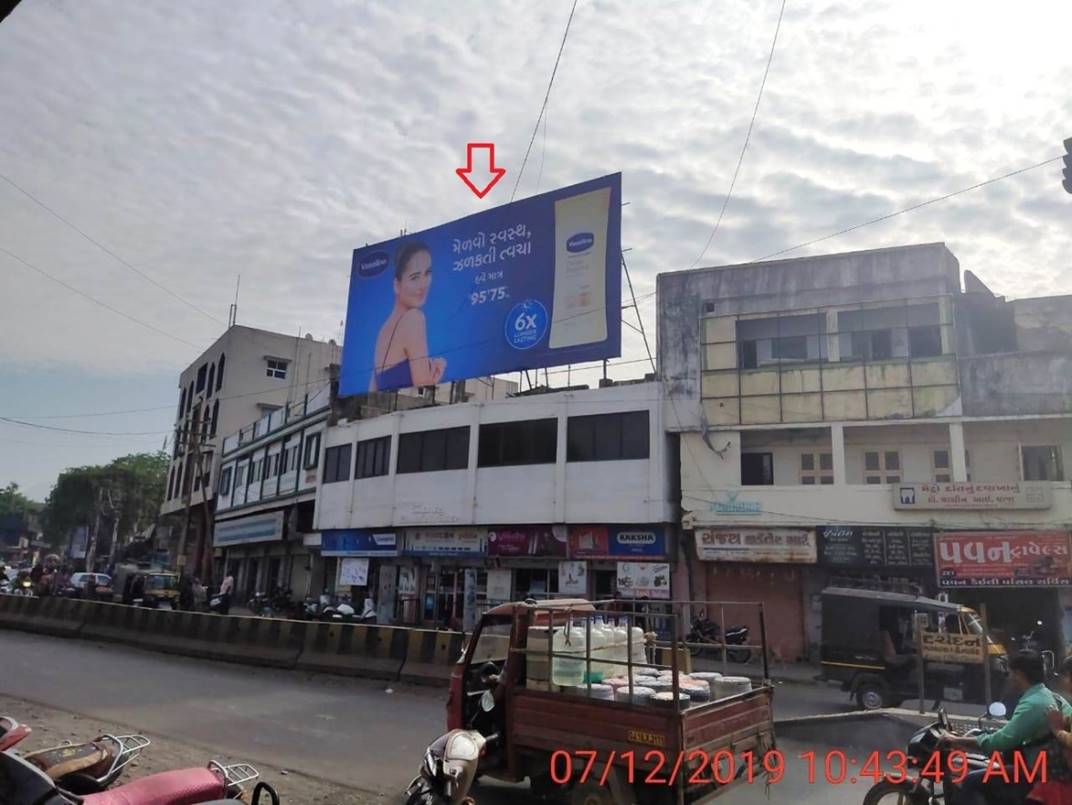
[
  {"x": 909, "y": 209},
  {"x": 96, "y": 301},
  {"x": 546, "y": 98},
  {"x": 106, "y": 250},
  {"x": 11, "y": 421},
  {"x": 747, "y": 137}
]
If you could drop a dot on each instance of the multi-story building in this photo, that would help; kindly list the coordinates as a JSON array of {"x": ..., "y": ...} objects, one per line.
[
  {"x": 862, "y": 415},
  {"x": 438, "y": 512},
  {"x": 246, "y": 374}
]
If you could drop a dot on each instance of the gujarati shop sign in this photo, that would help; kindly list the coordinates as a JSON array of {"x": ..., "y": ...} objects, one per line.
[
  {"x": 945, "y": 647},
  {"x": 774, "y": 545},
  {"x": 1003, "y": 559},
  {"x": 971, "y": 495}
]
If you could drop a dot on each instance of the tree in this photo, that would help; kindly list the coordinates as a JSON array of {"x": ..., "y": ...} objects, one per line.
[{"x": 12, "y": 501}]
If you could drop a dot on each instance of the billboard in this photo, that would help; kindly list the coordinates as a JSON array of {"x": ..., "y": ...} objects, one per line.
[
  {"x": 529, "y": 284},
  {"x": 1003, "y": 559}
]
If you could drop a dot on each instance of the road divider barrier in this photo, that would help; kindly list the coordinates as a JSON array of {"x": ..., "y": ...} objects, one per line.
[{"x": 379, "y": 652}]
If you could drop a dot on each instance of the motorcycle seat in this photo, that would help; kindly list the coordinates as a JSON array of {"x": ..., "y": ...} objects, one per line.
[
  {"x": 59, "y": 761},
  {"x": 178, "y": 787}
]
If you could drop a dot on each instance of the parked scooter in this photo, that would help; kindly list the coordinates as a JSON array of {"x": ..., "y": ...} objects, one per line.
[
  {"x": 706, "y": 631},
  {"x": 342, "y": 611},
  {"x": 260, "y": 605},
  {"x": 82, "y": 768},
  {"x": 450, "y": 765},
  {"x": 23, "y": 783}
]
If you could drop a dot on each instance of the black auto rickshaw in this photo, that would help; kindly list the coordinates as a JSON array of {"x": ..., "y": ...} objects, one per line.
[{"x": 871, "y": 643}]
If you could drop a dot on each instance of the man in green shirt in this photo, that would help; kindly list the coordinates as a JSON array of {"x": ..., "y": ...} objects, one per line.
[{"x": 1028, "y": 727}]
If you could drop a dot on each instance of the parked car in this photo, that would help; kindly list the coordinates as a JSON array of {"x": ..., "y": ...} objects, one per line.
[{"x": 89, "y": 585}]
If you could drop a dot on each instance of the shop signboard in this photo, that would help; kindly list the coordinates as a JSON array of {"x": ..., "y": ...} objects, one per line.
[
  {"x": 877, "y": 547},
  {"x": 533, "y": 283},
  {"x": 573, "y": 577},
  {"x": 612, "y": 542},
  {"x": 445, "y": 541},
  {"x": 245, "y": 530},
  {"x": 765, "y": 545},
  {"x": 499, "y": 585},
  {"x": 358, "y": 542},
  {"x": 644, "y": 579},
  {"x": 353, "y": 572},
  {"x": 959, "y": 648},
  {"x": 972, "y": 495},
  {"x": 526, "y": 541},
  {"x": 1003, "y": 559}
]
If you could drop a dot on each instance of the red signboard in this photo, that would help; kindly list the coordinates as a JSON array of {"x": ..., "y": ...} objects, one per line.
[
  {"x": 525, "y": 541},
  {"x": 589, "y": 541},
  {"x": 1003, "y": 558}
]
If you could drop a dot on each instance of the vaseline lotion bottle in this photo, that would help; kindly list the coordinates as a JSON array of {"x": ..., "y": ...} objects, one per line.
[{"x": 580, "y": 315}]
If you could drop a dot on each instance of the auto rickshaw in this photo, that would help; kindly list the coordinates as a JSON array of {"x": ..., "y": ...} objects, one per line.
[
  {"x": 159, "y": 589},
  {"x": 871, "y": 643}
]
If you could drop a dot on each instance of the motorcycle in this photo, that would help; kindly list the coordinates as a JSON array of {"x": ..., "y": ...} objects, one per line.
[
  {"x": 260, "y": 605},
  {"x": 82, "y": 768},
  {"x": 310, "y": 609},
  {"x": 450, "y": 765},
  {"x": 23, "y": 783},
  {"x": 343, "y": 611},
  {"x": 706, "y": 631}
]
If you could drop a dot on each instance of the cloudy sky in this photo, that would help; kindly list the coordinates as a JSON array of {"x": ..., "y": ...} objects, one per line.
[{"x": 202, "y": 140}]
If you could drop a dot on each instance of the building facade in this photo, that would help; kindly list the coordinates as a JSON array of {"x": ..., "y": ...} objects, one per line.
[
  {"x": 861, "y": 418},
  {"x": 441, "y": 512}
]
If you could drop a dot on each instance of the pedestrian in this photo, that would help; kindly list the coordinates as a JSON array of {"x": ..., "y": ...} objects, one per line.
[
  {"x": 137, "y": 589},
  {"x": 200, "y": 594},
  {"x": 226, "y": 589},
  {"x": 186, "y": 592}
]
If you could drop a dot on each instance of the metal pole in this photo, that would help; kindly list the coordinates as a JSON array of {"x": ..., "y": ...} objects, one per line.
[
  {"x": 987, "y": 683},
  {"x": 722, "y": 637},
  {"x": 763, "y": 643},
  {"x": 919, "y": 665},
  {"x": 588, "y": 654}
]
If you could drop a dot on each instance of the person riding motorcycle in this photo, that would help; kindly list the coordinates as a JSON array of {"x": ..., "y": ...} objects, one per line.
[
  {"x": 1057, "y": 788},
  {"x": 1026, "y": 732}
]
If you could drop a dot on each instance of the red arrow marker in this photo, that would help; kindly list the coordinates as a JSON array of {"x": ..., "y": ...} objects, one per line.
[{"x": 486, "y": 181}]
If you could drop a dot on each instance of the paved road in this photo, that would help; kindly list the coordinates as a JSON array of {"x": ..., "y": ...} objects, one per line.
[{"x": 351, "y": 732}]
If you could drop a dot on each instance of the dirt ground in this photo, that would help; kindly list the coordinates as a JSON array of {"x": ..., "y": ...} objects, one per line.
[{"x": 52, "y": 727}]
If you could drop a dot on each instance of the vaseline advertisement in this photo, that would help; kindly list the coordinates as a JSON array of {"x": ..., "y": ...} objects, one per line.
[{"x": 530, "y": 284}]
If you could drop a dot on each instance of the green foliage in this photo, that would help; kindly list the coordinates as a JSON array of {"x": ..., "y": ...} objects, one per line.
[{"x": 12, "y": 501}]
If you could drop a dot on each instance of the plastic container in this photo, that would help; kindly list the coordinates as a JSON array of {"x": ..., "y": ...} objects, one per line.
[
  {"x": 640, "y": 695},
  {"x": 639, "y": 655},
  {"x": 666, "y": 699},
  {"x": 568, "y": 670},
  {"x": 600, "y": 640},
  {"x": 731, "y": 686}
]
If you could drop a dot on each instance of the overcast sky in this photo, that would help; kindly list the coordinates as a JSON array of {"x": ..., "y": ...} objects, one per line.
[{"x": 203, "y": 140}]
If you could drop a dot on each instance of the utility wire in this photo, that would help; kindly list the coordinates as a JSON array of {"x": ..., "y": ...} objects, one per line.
[
  {"x": 96, "y": 301},
  {"x": 747, "y": 137},
  {"x": 11, "y": 421},
  {"x": 106, "y": 250},
  {"x": 909, "y": 209},
  {"x": 546, "y": 98}
]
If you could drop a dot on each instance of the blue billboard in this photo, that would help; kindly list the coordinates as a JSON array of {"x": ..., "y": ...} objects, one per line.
[{"x": 530, "y": 284}]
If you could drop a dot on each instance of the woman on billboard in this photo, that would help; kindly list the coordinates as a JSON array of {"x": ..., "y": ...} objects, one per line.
[{"x": 402, "y": 346}]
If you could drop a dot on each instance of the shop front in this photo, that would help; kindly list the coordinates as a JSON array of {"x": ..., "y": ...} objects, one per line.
[
  {"x": 524, "y": 562},
  {"x": 1020, "y": 575},
  {"x": 771, "y": 565},
  {"x": 255, "y": 553},
  {"x": 361, "y": 562},
  {"x": 442, "y": 577},
  {"x": 627, "y": 561}
]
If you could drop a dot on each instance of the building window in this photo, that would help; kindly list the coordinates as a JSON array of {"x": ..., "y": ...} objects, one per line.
[
  {"x": 211, "y": 386},
  {"x": 433, "y": 450},
  {"x": 1042, "y": 463},
  {"x": 882, "y": 466},
  {"x": 748, "y": 356},
  {"x": 790, "y": 348},
  {"x": 225, "y": 481},
  {"x": 171, "y": 484},
  {"x": 276, "y": 368},
  {"x": 189, "y": 397},
  {"x": 373, "y": 457},
  {"x": 215, "y": 417},
  {"x": 290, "y": 458},
  {"x": 608, "y": 437},
  {"x": 182, "y": 403},
  {"x": 943, "y": 472},
  {"x": 255, "y": 468},
  {"x": 202, "y": 372},
  {"x": 337, "y": 463},
  {"x": 506, "y": 444},
  {"x": 240, "y": 476},
  {"x": 757, "y": 469},
  {"x": 219, "y": 372},
  {"x": 925, "y": 342},
  {"x": 817, "y": 468},
  {"x": 271, "y": 466},
  {"x": 872, "y": 345},
  {"x": 312, "y": 451}
]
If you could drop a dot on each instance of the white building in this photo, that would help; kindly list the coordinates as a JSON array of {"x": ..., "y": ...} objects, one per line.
[
  {"x": 464, "y": 505},
  {"x": 861, "y": 415}
]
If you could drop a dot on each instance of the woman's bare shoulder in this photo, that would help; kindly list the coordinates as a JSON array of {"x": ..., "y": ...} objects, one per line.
[{"x": 412, "y": 322}]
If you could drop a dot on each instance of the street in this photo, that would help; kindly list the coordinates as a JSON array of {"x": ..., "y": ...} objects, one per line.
[{"x": 346, "y": 731}]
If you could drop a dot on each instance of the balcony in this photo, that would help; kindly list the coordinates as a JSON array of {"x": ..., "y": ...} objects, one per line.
[{"x": 278, "y": 419}]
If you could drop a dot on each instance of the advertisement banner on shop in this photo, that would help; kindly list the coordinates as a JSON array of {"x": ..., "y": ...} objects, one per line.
[
  {"x": 776, "y": 545},
  {"x": 358, "y": 542},
  {"x": 353, "y": 572},
  {"x": 644, "y": 579},
  {"x": 611, "y": 542},
  {"x": 1003, "y": 559},
  {"x": 529, "y": 284},
  {"x": 573, "y": 578},
  {"x": 245, "y": 530},
  {"x": 445, "y": 541},
  {"x": 527, "y": 541},
  {"x": 942, "y": 647},
  {"x": 877, "y": 547}
]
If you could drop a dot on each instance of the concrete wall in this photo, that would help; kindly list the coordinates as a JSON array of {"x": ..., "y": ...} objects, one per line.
[
  {"x": 1043, "y": 324},
  {"x": 637, "y": 491},
  {"x": 1017, "y": 383}
]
